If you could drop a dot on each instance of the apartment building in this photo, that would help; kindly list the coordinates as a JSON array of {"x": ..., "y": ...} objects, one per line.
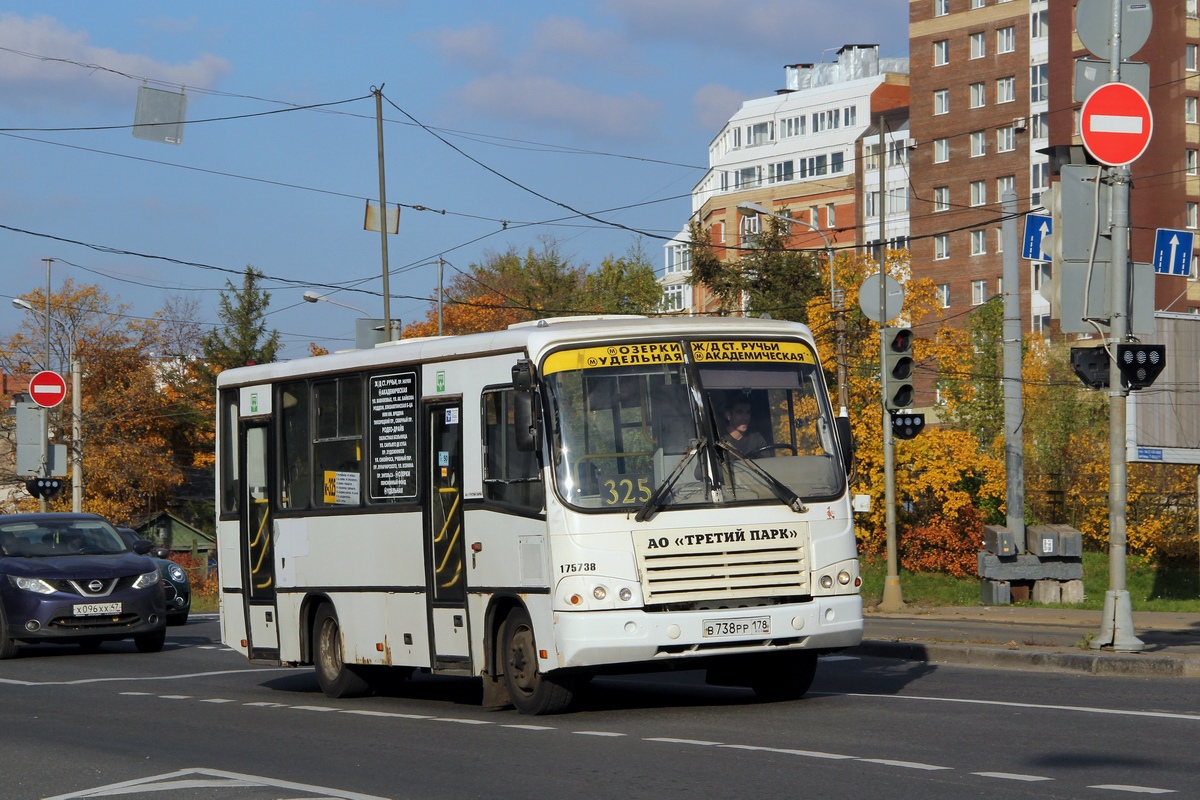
[{"x": 808, "y": 152}]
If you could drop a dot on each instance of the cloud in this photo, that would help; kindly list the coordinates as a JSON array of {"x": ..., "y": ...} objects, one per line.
[
  {"x": 45, "y": 69},
  {"x": 557, "y": 37},
  {"x": 714, "y": 104},
  {"x": 537, "y": 100},
  {"x": 790, "y": 30},
  {"x": 477, "y": 48}
]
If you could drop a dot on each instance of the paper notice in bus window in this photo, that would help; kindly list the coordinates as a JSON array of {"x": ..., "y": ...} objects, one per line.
[
  {"x": 341, "y": 488},
  {"x": 740, "y": 350},
  {"x": 391, "y": 407}
]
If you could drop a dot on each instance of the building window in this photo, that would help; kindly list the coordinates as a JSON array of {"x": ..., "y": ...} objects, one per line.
[
  {"x": 941, "y": 247},
  {"x": 1189, "y": 109},
  {"x": 978, "y": 243},
  {"x": 849, "y": 116},
  {"x": 836, "y": 161},
  {"x": 1039, "y": 83},
  {"x": 760, "y": 133},
  {"x": 943, "y": 295},
  {"x": 941, "y": 151},
  {"x": 977, "y": 3},
  {"x": 871, "y": 204},
  {"x": 1006, "y": 40},
  {"x": 751, "y": 227},
  {"x": 779, "y": 172},
  {"x": 679, "y": 258},
  {"x": 941, "y": 198},
  {"x": 978, "y": 143},
  {"x": 978, "y": 95},
  {"x": 897, "y": 202},
  {"x": 1190, "y": 58},
  {"x": 1040, "y": 126},
  {"x": 941, "y": 52},
  {"x": 897, "y": 153},
  {"x": 672, "y": 299},
  {"x": 978, "y": 292},
  {"x": 792, "y": 126},
  {"x": 1005, "y": 183},
  {"x": 1193, "y": 218},
  {"x": 1000, "y": 244},
  {"x": 737, "y": 137},
  {"x": 1039, "y": 181},
  {"x": 978, "y": 193},
  {"x": 941, "y": 8},
  {"x": 813, "y": 165},
  {"x": 1006, "y": 139},
  {"x": 1195, "y": 263},
  {"x": 814, "y": 216},
  {"x": 829, "y": 216},
  {"x": 1039, "y": 24},
  {"x": 1191, "y": 9},
  {"x": 1006, "y": 89},
  {"x": 747, "y": 178},
  {"x": 941, "y": 101},
  {"x": 1190, "y": 161},
  {"x": 978, "y": 45}
]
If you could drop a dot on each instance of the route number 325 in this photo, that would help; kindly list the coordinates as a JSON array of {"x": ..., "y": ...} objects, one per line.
[{"x": 626, "y": 490}]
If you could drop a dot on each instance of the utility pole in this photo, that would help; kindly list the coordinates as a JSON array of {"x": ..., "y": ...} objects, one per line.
[
  {"x": 383, "y": 217},
  {"x": 441, "y": 262},
  {"x": 45, "y": 411},
  {"x": 893, "y": 598},
  {"x": 1014, "y": 446}
]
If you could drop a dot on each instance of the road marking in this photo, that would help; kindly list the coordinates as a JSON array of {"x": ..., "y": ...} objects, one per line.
[
  {"x": 185, "y": 779},
  {"x": 888, "y": 762},
  {"x": 175, "y": 696},
  {"x": 700, "y": 742},
  {"x": 141, "y": 678},
  {"x": 597, "y": 733},
  {"x": 1120, "y": 787},
  {"x": 365, "y": 712},
  {"x": 315, "y": 708},
  {"x": 1011, "y": 704},
  {"x": 1011, "y": 776},
  {"x": 218, "y": 700},
  {"x": 530, "y": 727},
  {"x": 790, "y": 752},
  {"x": 460, "y": 720},
  {"x": 261, "y": 704},
  {"x": 139, "y": 694}
]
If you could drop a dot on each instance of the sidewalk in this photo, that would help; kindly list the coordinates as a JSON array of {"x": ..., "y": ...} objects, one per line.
[{"x": 1032, "y": 638}]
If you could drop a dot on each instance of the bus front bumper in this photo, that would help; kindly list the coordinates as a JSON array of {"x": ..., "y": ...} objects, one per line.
[{"x": 597, "y": 638}]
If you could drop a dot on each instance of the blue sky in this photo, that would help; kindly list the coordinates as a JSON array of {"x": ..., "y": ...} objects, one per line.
[{"x": 602, "y": 106}]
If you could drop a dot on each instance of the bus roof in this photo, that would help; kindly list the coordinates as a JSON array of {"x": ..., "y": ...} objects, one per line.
[{"x": 532, "y": 338}]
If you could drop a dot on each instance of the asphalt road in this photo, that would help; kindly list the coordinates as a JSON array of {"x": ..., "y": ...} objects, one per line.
[{"x": 196, "y": 721}]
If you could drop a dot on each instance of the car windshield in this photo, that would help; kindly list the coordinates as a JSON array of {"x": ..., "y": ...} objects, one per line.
[
  {"x": 44, "y": 538},
  {"x": 624, "y": 417}
]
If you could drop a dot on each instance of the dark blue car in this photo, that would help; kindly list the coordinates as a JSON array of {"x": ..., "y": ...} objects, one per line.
[{"x": 70, "y": 579}]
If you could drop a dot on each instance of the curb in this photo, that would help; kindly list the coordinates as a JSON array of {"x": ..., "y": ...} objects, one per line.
[{"x": 1098, "y": 663}]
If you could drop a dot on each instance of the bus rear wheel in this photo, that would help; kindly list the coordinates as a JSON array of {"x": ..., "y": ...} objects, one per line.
[
  {"x": 531, "y": 691},
  {"x": 786, "y": 676},
  {"x": 336, "y": 678}
]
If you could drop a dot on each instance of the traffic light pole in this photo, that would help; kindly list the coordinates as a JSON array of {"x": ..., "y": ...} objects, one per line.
[
  {"x": 893, "y": 598},
  {"x": 1116, "y": 626}
]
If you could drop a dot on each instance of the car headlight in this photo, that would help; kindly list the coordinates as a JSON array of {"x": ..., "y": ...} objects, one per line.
[
  {"x": 177, "y": 574},
  {"x": 146, "y": 580},
  {"x": 36, "y": 585}
]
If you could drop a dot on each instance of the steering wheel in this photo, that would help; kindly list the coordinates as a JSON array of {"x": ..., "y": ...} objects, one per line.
[{"x": 772, "y": 447}]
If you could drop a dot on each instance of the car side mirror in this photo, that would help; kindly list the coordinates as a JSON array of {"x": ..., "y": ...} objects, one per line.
[
  {"x": 845, "y": 442},
  {"x": 162, "y": 552},
  {"x": 142, "y": 547}
]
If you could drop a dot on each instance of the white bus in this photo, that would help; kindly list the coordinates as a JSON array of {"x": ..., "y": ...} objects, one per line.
[{"x": 538, "y": 505}]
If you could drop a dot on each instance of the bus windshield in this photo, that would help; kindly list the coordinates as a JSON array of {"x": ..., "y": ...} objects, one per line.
[{"x": 750, "y": 417}]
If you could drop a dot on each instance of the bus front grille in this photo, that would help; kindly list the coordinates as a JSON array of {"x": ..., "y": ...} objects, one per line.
[{"x": 732, "y": 570}]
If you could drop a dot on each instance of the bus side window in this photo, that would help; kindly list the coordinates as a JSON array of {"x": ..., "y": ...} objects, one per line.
[
  {"x": 337, "y": 443},
  {"x": 228, "y": 431},
  {"x": 510, "y": 477},
  {"x": 295, "y": 472}
]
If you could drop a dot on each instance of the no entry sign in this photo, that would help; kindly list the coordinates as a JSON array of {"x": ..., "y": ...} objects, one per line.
[
  {"x": 1116, "y": 124},
  {"x": 47, "y": 389}
]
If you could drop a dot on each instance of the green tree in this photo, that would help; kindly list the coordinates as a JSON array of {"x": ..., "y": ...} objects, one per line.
[
  {"x": 242, "y": 337},
  {"x": 971, "y": 387},
  {"x": 624, "y": 285}
]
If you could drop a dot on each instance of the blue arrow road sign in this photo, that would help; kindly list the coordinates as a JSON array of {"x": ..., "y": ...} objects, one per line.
[
  {"x": 1173, "y": 251},
  {"x": 1037, "y": 228}
]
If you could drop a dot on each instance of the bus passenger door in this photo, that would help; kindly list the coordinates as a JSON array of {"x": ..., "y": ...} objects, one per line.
[
  {"x": 446, "y": 571},
  {"x": 258, "y": 546}
]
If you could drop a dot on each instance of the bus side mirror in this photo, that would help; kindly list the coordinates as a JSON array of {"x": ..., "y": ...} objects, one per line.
[
  {"x": 525, "y": 422},
  {"x": 845, "y": 442}
]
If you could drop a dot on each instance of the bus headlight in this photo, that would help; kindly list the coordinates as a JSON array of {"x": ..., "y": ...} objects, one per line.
[
  {"x": 826, "y": 581},
  {"x": 599, "y": 592},
  {"x": 843, "y": 577},
  {"x": 625, "y": 594}
]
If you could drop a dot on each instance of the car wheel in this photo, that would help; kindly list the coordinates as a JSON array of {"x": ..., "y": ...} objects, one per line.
[
  {"x": 8, "y": 647},
  {"x": 530, "y": 690},
  {"x": 151, "y": 642},
  {"x": 337, "y": 679}
]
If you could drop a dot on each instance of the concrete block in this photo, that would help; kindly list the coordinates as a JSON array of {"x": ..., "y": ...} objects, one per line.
[
  {"x": 1070, "y": 541},
  {"x": 1072, "y": 591},
  {"x": 1029, "y": 568},
  {"x": 995, "y": 593},
  {"x": 1048, "y": 592},
  {"x": 1042, "y": 540},
  {"x": 999, "y": 540}
]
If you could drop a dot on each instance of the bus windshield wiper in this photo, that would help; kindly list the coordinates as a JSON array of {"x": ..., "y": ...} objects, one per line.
[
  {"x": 789, "y": 498},
  {"x": 655, "y": 499}
]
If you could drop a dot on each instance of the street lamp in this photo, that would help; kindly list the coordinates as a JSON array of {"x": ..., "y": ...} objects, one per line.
[
  {"x": 315, "y": 297},
  {"x": 746, "y": 209}
]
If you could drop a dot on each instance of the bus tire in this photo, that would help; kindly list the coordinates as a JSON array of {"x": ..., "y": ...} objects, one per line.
[
  {"x": 531, "y": 691},
  {"x": 336, "y": 678},
  {"x": 785, "y": 676}
]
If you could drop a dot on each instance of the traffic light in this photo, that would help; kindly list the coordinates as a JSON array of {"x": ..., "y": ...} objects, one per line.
[
  {"x": 897, "y": 368},
  {"x": 44, "y": 487},
  {"x": 906, "y": 425},
  {"x": 1140, "y": 363},
  {"x": 1090, "y": 365}
]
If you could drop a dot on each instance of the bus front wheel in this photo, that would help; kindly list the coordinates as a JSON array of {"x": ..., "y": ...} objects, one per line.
[
  {"x": 785, "y": 676},
  {"x": 531, "y": 690},
  {"x": 337, "y": 679}
]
